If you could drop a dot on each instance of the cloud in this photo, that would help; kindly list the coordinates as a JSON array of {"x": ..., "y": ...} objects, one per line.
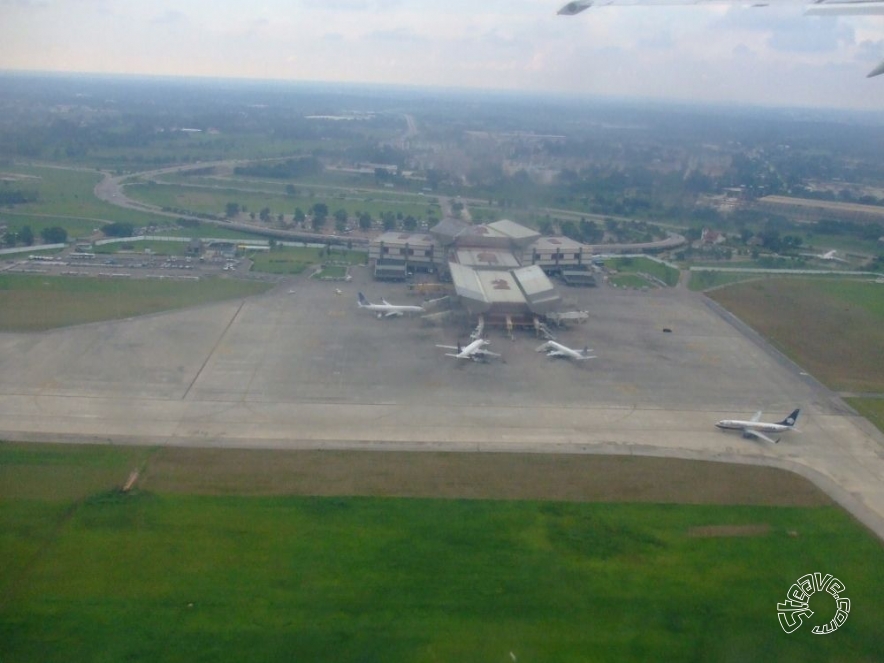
[
  {"x": 170, "y": 17},
  {"x": 826, "y": 36},
  {"x": 397, "y": 36},
  {"x": 788, "y": 30}
]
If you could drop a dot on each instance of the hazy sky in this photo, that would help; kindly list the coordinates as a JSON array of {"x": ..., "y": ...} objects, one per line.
[{"x": 770, "y": 55}]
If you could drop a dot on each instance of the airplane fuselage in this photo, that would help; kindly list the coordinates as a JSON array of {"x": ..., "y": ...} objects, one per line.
[
  {"x": 472, "y": 350},
  {"x": 386, "y": 308},
  {"x": 559, "y": 351},
  {"x": 391, "y": 308},
  {"x": 736, "y": 424}
]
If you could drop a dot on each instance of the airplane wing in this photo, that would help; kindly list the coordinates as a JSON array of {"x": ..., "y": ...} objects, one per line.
[
  {"x": 748, "y": 432},
  {"x": 448, "y": 347},
  {"x": 390, "y": 314},
  {"x": 556, "y": 353},
  {"x": 814, "y": 8},
  {"x": 868, "y": 7},
  {"x": 756, "y": 416},
  {"x": 542, "y": 347}
]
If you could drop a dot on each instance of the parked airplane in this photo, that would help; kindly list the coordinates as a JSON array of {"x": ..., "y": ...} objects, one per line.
[
  {"x": 386, "y": 309},
  {"x": 757, "y": 429},
  {"x": 828, "y": 255},
  {"x": 557, "y": 350},
  {"x": 475, "y": 350},
  {"x": 815, "y": 8}
]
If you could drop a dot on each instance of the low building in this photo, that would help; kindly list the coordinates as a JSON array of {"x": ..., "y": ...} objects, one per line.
[
  {"x": 516, "y": 293},
  {"x": 395, "y": 254},
  {"x": 557, "y": 254}
]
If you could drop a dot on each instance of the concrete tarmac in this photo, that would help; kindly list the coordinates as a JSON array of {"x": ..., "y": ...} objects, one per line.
[{"x": 302, "y": 367}]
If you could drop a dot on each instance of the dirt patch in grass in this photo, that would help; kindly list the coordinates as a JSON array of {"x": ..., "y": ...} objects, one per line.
[
  {"x": 579, "y": 478},
  {"x": 708, "y": 531},
  {"x": 832, "y": 329}
]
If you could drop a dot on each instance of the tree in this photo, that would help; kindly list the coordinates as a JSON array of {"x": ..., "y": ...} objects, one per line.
[
  {"x": 300, "y": 217},
  {"x": 54, "y": 235},
  {"x": 9, "y": 238},
  {"x": 264, "y": 214},
  {"x": 231, "y": 210},
  {"x": 340, "y": 223},
  {"x": 569, "y": 229},
  {"x": 590, "y": 232},
  {"x": 341, "y": 217},
  {"x": 118, "y": 229},
  {"x": 545, "y": 227},
  {"x": 410, "y": 223},
  {"x": 389, "y": 224},
  {"x": 291, "y": 190},
  {"x": 320, "y": 210},
  {"x": 26, "y": 235},
  {"x": 365, "y": 221}
]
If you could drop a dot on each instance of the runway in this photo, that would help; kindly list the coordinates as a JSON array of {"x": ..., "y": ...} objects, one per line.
[{"x": 308, "y": 370}]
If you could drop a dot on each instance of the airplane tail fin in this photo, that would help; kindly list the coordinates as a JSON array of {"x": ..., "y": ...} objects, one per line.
[
  {"x": 791, "y": 419},
  {"x": 362, "y": 301}
]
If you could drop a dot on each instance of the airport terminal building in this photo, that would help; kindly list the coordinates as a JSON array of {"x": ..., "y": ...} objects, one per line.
[{"x": 500, "y": 270}]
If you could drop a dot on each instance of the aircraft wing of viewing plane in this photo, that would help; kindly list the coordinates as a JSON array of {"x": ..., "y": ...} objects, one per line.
[
  {"x": 757, "y": 428},
  {"x": 475, "y": 351},
  {"x": 814, "y": 8},
  {"x": 557, "y": 350},
  {"x": 386, "y": 309}
]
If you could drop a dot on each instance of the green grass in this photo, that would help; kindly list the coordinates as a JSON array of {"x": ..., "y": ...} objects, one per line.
[
  {"x": 257, "y": 194},
  {"x": 69, "y": 193},
  {"x": 704, "y": 280},
  {"x": 871, "y": 408},
  {"x": 75, "y": 227},
  {"x": 630, "y": 281},
  {"x": 34, "y": 303},
  {"x": 332, "y": 271},
  {"x": 834, "y": 328},
  {"x": 190, "y": 147},
  {"x": 158, "y": 577},
  {"x": 294, "y": 260},
  {"x": 667, "y": 275},
  {"x": 158, "y": 248}
]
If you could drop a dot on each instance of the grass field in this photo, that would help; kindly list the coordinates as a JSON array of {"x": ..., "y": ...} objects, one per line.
[
  {"x": 704, "y": 280},
  {"x": 35, "y": 303},
  {"x": 630, "y": 281},
  {"x": 332, "y": 272},
  {"x": 871, "y": 408},
  {"x": 832, "y": 328},
  {"x": 160, "y": 575},
  {"x": 294, "y": 260},
  {"x": 157, "y": 248},
  {"x": 68, "y": 192},
  {"x": 256, "y": 195},
  {"x": 667, "y": 275},
  {"x": 74, "y": 227}
]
